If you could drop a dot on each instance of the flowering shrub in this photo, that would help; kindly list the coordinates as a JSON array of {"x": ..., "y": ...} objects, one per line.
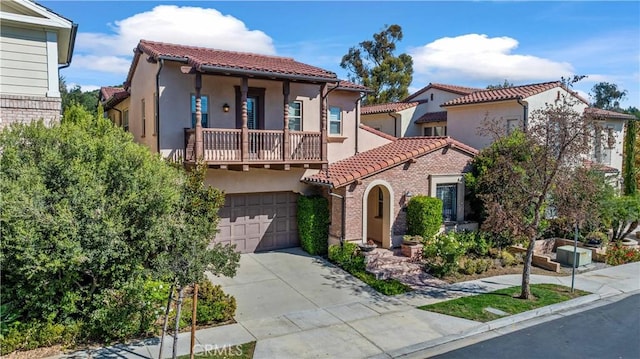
[
  {"x": 617, "y": 254},
  {"x": 443, "y": 253}
]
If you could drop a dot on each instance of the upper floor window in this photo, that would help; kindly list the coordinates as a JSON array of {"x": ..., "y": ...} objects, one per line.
[
  {"x": 295, "y": 116},
  {"x": 125, "y": 119},
  {"x": 144, "y": 117},
  {"x": 435, "y": 131},
  {"x": 204, "y": 109},
  {"x": 335, "y": 121}
]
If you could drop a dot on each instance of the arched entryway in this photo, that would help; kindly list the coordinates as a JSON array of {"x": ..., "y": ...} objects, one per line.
[{"x": 377, "y": 208}]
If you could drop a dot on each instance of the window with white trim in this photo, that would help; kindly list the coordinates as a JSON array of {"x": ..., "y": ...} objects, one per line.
[
  {"x": 125, "y": 119},
  {"x": 512, "y": 125},
  {"x": 295, "y": 116},
  {"x": 335, "y": 121}
]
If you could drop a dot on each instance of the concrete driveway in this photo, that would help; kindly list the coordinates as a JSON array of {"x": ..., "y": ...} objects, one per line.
[{"x": 297, "y": 305}]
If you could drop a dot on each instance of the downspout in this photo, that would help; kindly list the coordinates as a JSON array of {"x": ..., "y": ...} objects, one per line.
[
  {"x": 358, "y": 102},
  {"x": 395, "y": 124},
  {"x": 157, "y": 119},
  {"x": 119, "y": 114},
  {"x": 525, "y": 110}
]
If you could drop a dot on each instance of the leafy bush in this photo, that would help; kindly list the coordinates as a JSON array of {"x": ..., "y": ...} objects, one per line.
[
  {"x": 347, "y": 257},
  {"x": 412, "y": 240},
  {"x": 617, "y": 254},
  {"x": 313, "y": 224},
  {"x": 34, "y": 334},
  {"x": 477, "y": 242},
  {"x": 214, "y": 305},
  {"x": 442, "y": 254},
  {"x": 507, "y": 259},
  {"x": 8, "y": 316},
  {"x": 424, "y": 216}
]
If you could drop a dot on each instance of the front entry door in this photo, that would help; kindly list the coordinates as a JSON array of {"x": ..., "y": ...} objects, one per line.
[{"x": 448, "y": 193}]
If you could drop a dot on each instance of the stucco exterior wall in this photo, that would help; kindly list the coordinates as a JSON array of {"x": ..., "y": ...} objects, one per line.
[
  {"x": 117, "y": 112},
  {"x": 343, "y": 145},
  {"x": 464, "y": 122},
  {"x": 382, "y": 122},
  {"x": 439, "y": 97},
  {"x": 368, "y": 141},
  {"x": 143, "y": 87},
  {"x": 413, "y": 177},
  {"x": 259, "y": 180}
]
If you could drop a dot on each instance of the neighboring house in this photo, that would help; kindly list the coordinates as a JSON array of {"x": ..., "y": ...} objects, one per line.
[
  {"x": 36, "y": 43},
  {"x": 377, "y": 185},
  {"x": 514, "y": 105},
  {"x": 260, "y": 123},
  {"x": 115, "y": 103},
  {"x": 419, "y": 114}
]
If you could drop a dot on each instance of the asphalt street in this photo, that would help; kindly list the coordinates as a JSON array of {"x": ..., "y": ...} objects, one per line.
[{"x": 611, "y": 331}]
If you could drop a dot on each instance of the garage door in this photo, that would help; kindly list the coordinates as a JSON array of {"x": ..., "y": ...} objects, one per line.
[{"x": 259, "y": 221}]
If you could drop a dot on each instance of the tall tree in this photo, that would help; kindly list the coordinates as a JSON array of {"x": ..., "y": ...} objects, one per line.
[
  {"x": 631, "y": 155},
  {"x": 607, "y": 96},
  {"x": 373, "y": 64},
  {"x": 503, "y": 85},
  {"x": 529, "y": 171},
  {"x": 86, "y": 99}
]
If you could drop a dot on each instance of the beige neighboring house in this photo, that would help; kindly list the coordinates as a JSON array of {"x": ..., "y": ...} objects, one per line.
[
  {"x": 115, "y": 103},
  {"x": 419, "y": 114},
  {"x": 35, "y": 43},
  {"x": 514, "y": 105}
]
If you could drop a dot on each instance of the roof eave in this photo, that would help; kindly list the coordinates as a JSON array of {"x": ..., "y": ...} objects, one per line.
[{"x": 266, "y": 74}]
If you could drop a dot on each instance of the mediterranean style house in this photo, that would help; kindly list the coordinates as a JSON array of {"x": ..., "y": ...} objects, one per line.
[
  {"x": 36, "y": 43},
  {"x": 438, "y": 110},
  {"x": 270, "y": 128}
]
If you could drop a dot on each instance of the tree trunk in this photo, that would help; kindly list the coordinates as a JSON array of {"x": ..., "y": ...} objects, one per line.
[
  {"x": 166, "y": 321},
  {"x": 177, "y": 326},
  {"x": 526, "y": 272},
  {"x": 194, "y": 320}
]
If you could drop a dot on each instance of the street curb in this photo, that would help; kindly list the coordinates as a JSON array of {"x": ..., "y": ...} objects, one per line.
[{"x": 499, "y": 323}]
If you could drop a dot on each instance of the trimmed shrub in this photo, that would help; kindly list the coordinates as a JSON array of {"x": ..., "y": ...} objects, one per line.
[
  {"x": 618, "y": 254},
  {"x": 34, "y": 334},
  {"x": 313, "y": 224},
  {"x": 507, "y": 259},
  {"x": 424, "y": 216}
]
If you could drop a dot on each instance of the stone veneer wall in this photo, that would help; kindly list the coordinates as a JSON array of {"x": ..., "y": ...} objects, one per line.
[{"x": 16, "y": 108}]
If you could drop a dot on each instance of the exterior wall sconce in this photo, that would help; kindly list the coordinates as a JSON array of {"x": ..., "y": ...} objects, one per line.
[
  {"x": 408, "y": 194},
  {"x": 226, "y": 107}
]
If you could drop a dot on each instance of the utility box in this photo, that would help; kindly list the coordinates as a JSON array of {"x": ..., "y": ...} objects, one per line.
[{"x": 564, "y": 255}]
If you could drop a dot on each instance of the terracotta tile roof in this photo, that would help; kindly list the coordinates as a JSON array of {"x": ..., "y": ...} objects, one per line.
[
  {"x": 213, "y": 60},
  {"x": 112, "y": 96},
  {"x": 428, "y": 117},
  {"x": 460, "y": 90},
  {"x": 378, "y": 133},
  {"x": 503, "y": 94},
  {"x": 381, "y": 158},
  {"x": 599, "y": 167},
  {"x": 387, "y": 107},
  {"x": 598, "y": 112},
  {"x": 348, "y": 85}
]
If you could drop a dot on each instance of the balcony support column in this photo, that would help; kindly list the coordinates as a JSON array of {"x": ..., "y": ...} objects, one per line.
[
  {"x": 199, "y": 150},
  {"x": 286, "y": 152},
  {"x": 323, "y": 122},
  {"x": 244, "y": 88}
]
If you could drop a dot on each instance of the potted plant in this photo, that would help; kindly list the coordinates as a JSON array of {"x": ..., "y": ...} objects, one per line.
[
  {"x": 595, "y": 239},
  {"x": 411, "y": 246},
  {"x": 367, "y": 247}
]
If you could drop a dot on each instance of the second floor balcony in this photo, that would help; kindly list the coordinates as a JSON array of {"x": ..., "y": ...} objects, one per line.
[{"x": 244, "y": 148}]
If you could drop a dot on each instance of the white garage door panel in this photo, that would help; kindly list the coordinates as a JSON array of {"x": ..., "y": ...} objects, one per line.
[{"x": 259, "y": 221}]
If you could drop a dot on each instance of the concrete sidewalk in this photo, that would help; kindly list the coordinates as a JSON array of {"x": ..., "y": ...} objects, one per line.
[{"x": 298, "y": 306}]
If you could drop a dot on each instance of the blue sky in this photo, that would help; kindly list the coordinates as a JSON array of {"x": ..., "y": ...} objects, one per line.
[{"x": 462, "y": 43}]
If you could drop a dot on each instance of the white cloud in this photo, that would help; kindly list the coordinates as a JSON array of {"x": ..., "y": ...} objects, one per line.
[
  {"x": 166, "y": 23},
  {"x": 479, "y": 57}
]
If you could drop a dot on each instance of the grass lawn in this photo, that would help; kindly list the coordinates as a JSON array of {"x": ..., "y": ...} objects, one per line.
[
  {"x": 242, "y": 351},
  {"x": 473, "y": 307},
  {"x": 386, "y": 286}
]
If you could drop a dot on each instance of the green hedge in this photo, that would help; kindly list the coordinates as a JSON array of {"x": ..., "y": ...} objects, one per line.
[
  {"x": 313, "y": 224},
  {"x": 424, "y": 216}
]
